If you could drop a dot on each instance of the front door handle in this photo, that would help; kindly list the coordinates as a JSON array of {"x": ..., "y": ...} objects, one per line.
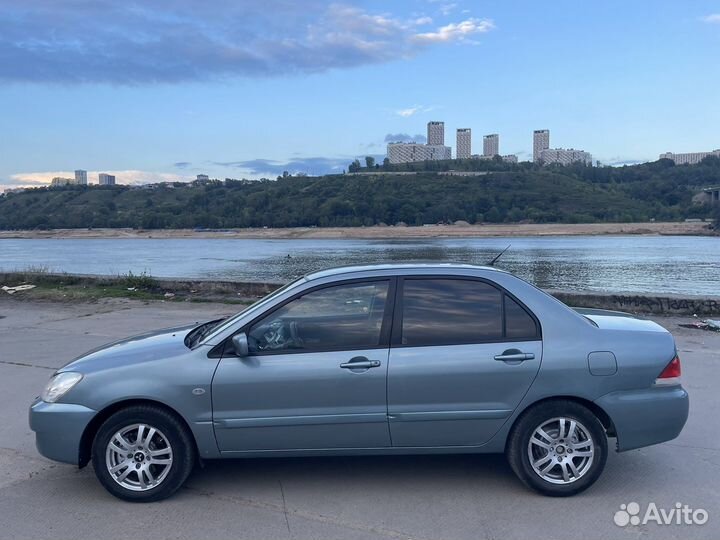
[
  {"x": 360, "y": 362},
  {"x": 514, "y": 355}
]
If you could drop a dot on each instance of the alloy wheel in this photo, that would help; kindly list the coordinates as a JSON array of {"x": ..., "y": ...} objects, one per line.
[
  {"x": 561, "y": 450},
  {"x": 139, "y": 457}
]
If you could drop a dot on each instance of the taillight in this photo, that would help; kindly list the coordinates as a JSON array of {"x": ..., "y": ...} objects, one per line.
[{"x": 671, "y": 374}]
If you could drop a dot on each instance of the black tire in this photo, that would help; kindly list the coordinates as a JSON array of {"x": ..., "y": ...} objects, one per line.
[
  {"x": 519, "y": 453},
  {"x": 178, "y": 438}
]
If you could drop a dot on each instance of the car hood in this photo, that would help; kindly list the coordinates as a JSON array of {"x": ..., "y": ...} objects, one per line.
[
  {"x": 618, "y": 320},
  {"x": 136, "y": 349}
]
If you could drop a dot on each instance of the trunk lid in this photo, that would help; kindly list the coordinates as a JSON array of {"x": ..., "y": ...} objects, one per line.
[{"x": 618, "y": 320}]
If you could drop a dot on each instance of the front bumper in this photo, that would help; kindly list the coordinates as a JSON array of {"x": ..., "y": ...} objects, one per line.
[
  {"x": 58, "y": 429},
  {"x": 645, "y": 417}
]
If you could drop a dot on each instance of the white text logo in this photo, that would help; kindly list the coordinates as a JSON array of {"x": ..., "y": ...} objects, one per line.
[{"x": 680, "y": 514}]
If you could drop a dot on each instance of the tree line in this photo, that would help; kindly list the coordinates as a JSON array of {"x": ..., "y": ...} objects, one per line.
[{"x": 504, "y": 192}]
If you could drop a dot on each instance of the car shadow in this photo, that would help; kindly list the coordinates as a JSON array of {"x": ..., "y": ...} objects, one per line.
[
  {"x": 447, "y": 472},
  {"x": 333, "y": 467}
]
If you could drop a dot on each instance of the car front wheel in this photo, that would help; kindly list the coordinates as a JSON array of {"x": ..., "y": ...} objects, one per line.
[
  {"x": 143, "y": 454},
  {"x": 558, "y": 448}
]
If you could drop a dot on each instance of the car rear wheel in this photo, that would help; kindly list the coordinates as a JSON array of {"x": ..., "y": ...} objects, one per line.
[
  {"x": 558, "y": 448},
  {"x": 143, "y": 454}
]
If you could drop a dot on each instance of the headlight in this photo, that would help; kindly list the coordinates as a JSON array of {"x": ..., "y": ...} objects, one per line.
[{"x": 59, "y": 385}]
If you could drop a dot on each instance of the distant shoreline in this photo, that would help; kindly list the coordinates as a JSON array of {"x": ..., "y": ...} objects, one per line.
[{"x": 384, "y": 232}]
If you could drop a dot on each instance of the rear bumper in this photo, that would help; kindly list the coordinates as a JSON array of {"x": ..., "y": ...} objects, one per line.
[
  {"x": 58, "y": 429},
  {"x": 646, "y": 417}
]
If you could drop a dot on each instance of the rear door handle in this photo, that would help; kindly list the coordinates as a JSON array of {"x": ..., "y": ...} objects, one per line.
[
  {"x": 514, "y": 355},
  {"x": 360, "y": 362}
]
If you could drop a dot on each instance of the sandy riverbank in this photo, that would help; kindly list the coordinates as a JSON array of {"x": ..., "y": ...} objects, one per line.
[{"x": 433, "y": 231}]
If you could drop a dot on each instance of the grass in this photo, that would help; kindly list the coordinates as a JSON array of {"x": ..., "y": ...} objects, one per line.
[
  {"x": 72, "y": 288},
  {"x": 88, "y": 293},
  {"x": 142, "y": 281}
]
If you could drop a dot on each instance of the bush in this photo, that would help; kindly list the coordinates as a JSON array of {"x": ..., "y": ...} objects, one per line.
[{"x": 141, "y": 281}]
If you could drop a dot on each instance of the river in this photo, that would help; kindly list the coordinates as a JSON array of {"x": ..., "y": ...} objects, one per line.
[{"x": 638, "y": 264}]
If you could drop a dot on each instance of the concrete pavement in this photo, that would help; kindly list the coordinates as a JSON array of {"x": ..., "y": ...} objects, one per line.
[{"x": 419, "y": 497}]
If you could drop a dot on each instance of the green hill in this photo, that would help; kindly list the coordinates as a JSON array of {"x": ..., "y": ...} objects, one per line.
[{"x": 501, "y": 193}]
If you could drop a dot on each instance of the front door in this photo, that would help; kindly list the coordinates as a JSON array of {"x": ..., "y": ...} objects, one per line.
[
  {"x": 464, "y": 353},
  {"x": 315, "y": 377}
]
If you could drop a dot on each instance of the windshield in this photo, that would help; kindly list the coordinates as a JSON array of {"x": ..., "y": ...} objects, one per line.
[{"x": 220, "y": 328}]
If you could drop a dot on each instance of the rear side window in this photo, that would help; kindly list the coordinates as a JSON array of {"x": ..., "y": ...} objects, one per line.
[
  {"x": 450, "y": 311},
  {"x": 518, "y": 322},
  {"x": 441, "y": 311}
]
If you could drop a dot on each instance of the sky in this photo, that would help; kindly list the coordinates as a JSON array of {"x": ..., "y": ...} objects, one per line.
[{"x": 164, "y": 90}]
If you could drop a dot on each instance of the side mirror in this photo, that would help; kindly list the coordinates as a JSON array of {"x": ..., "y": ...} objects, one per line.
[{"x": 240, "y": 344}]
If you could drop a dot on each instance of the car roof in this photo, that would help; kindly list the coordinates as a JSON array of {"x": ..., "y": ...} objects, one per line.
[{"x": 392, "y": 268}]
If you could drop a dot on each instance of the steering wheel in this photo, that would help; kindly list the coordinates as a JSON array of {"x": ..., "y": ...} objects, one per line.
[{"x": 280, "y": 335}]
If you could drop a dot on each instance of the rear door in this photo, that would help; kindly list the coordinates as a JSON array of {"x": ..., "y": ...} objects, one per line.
[
  {"x": 316, "y": 374},
  {"x": 463, "y": 354}
]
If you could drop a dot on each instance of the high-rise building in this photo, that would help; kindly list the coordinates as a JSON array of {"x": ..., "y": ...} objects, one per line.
[
  {"x": 491, "y": 145},
  {"x": 81, "y": 177},
  {"x": 436, "y": 133},
  {"x": 463, "y": 146},
  {"x": 541, "y": 141},
  {"x": 60, "y": 181},
  {"x": 106, "y": 179},
  {"x": 565, "y": 156},
  {"x": 689, "y": 158},
  {"x": 408, "y": 152}
]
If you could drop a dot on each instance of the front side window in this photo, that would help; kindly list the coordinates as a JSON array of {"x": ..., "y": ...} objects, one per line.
[
  {"x": 441, "y": 311},
  {"x": 340, "y": 317}
]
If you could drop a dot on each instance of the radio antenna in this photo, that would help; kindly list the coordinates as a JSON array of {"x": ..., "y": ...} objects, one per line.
[{"x": 492, "y": 263}]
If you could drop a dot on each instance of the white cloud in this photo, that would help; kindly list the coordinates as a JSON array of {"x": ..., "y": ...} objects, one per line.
[
  {"x": 447, "y": 9},
  {"x": 455, "y": 31},
  {"x": 410, "y": 111},
  {"x": 713, "y": 18},
  {"x": 167, "y": 41},
  {"x": 407, "y": 112}
]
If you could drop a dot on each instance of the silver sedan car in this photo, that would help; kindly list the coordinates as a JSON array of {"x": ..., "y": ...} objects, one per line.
[{"x": 387, "y": 359}]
